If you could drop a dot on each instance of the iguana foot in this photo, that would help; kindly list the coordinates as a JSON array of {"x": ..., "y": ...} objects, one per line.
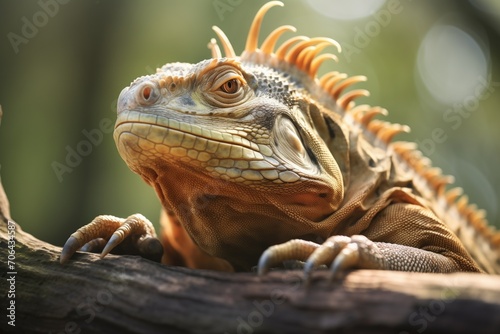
[
  {"x": 338, "y": 252},
  {"x": 135, "y": 235}
]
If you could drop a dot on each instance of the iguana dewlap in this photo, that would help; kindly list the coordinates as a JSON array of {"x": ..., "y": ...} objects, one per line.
[{"x": 254, "y": 157}]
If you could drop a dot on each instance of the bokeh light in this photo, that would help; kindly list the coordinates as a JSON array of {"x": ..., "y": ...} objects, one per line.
[{"x": 450, "y": 63}]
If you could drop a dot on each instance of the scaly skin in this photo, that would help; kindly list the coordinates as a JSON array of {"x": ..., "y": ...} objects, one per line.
[{"x": 254, "y": 157}]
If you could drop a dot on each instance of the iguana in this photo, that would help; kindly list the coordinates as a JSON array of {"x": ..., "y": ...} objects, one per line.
[{"x": 257, "y": 161}]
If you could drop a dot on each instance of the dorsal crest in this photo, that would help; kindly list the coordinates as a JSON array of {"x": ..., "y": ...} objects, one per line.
[{"x": 300, "y": 52}]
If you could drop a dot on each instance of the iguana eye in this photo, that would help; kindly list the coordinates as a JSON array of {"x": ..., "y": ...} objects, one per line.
[
  {"x": 230, "y": 86},
  {"x": 226, "y": 87}
]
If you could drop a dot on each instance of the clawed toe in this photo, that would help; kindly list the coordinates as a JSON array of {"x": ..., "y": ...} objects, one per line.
[
  {"x": 135, "y": 235},
  {"x": 70, "y": 248},
  {"x": 292, "y": 250},
  {"x": 325, "y": 254},
  {"x": 115, "y": 240},
  {"x": 339, "y": 253},
  {"x": 95, "y": 246}
]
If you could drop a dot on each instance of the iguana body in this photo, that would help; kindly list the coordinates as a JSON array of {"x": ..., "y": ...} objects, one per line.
[{"x": 255, "y": 155}]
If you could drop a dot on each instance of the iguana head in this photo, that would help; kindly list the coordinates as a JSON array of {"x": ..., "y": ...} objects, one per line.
[{"x": 239, "y": 145}]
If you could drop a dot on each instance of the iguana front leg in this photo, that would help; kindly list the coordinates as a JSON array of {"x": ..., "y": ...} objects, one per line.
[
  {"x": 134, "y": 235},
  {"x": 419, "y": 249},
  {"x": 341, "y": 253}
]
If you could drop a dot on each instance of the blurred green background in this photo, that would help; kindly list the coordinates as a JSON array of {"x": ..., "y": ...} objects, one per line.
[{"x": 433, "y": 64}]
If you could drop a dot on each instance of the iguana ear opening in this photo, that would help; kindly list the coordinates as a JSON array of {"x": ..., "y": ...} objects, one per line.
[
  {"x": 321, "y": 188},
  {"x": 333, "y": 135},
  {"x": 287, "y": 143}
]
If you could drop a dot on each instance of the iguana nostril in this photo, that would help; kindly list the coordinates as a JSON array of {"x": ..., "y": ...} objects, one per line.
[{"x": 147, "y": 93}]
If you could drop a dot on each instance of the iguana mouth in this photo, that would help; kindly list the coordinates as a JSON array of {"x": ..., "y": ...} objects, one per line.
[
  {"x": 226, "y": 155},
  {"x": 187, "y": 139}
]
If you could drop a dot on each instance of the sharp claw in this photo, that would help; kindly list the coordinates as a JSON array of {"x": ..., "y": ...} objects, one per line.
[
  {"x": 114, "y": 241},
  {"x": 324, "y": 254},
  {"x": 309, "y": 267},
  {"x": 86, "y": 248},
  {"x": 347, "y": 258},
  {"x": 94, "y": 245},
  {"x": 69, "y": 248},
  {"x": 264, "y": 262},
  {"x": 292, "y": 250}
]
